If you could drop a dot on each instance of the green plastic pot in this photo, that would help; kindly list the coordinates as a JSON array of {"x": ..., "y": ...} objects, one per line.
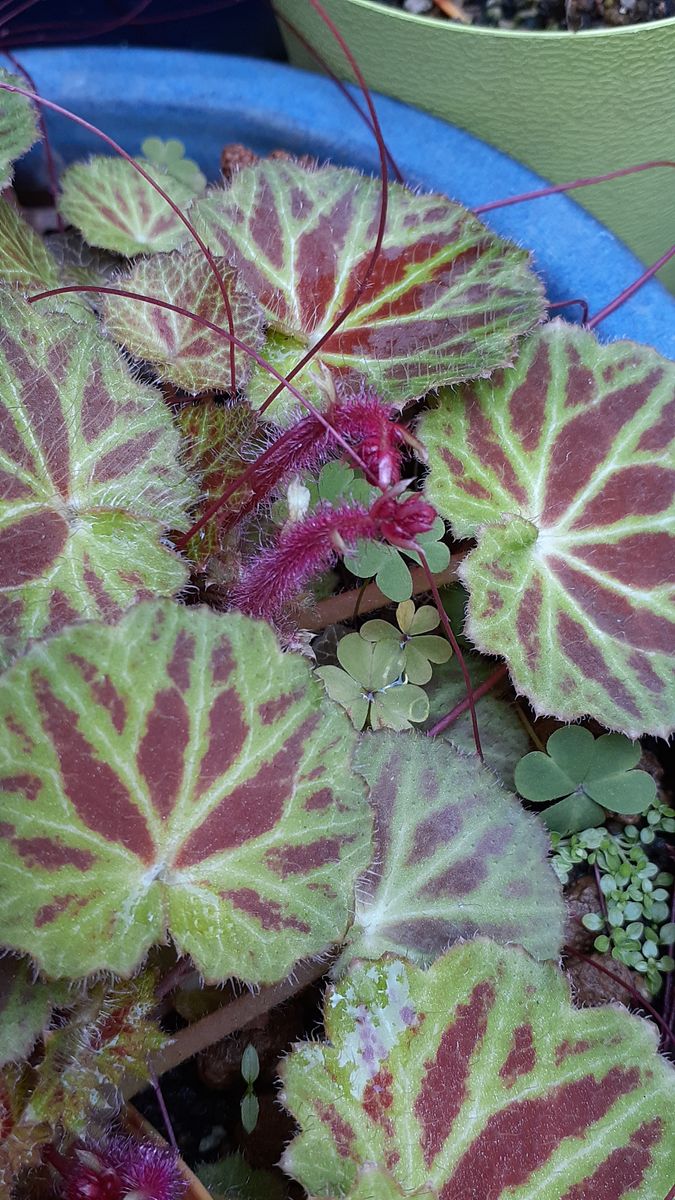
[{"x": 568, "y": 105}]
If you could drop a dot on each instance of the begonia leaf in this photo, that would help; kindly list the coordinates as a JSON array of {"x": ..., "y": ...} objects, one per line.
[
  {"x": 504, "y": 739},
  {"x": 455, "y": 855},
  {"x": 25, "y": 262},
  {"x": 26, "y": 1004},
  {"x": 185, "y": 353},
  {"x": 561, "y": 468},
  {"x": 446, "y": 301},
  {"x": 18, "y": 126},
  {"x": 114, "y": 207},
  {"x": 215, "y": 438},
  {"x": 175, "y": 771},
  {"x": 89, "y": 475},
  {"x": 477, "y": 1078}
]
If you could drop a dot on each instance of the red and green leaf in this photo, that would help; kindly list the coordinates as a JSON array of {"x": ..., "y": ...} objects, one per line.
[
  {"x": 25, "y": 262},
  {"x": 455, "y": 856},
  {"x": 477, "y": 1078},
  {"x": 114, "y": 207},
  {"x": 18, "y": 126},
  {"x": 446, "y": 301},
  {"x": 186, "y": 354},
  {"x": 89, "y": 475},
  {"x": 215, "y": 438},
  {"x": 175, "y": 772},
  {"x": 563, "y": 469}
]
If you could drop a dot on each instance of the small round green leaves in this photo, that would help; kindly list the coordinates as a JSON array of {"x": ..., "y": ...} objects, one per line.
[
  {"x": 188, "y": 354},
  {"x": 447, "y": 299},
  {"x": 477, "y": 1078},
  {"x": 89, "y": 479},
  {"x": 589, "y": 772},
  {"x": 175, "y": 771},
  {"x": 372, "y": 687},
  {"x": 18, "y": 126},
  {"x": 115, "y": 207},
  {"x": 455, "y": 856},
  {"x": 562, "y": 469}
]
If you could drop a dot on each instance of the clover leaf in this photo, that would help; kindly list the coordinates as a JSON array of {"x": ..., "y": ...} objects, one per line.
[
  {"x": 420, "y": 648},
  {"x": 372, "y": 687},
  {"x": 585, "y": 775},
  {"x": 170, "y": 155},
  {"x": 388, "y": 566}
]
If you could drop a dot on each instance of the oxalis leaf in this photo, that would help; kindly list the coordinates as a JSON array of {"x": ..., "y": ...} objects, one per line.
[
  {"x": 477, "y": 1078},
  {"x": 175, "y": 770},
  {"x": 560, "y": 467},
  {"x": 89, "y": 478},
  {"x": 115, "y": 208},
  {"x": 18, "y": 126},
  {"x": 446, "y": 301},
  {"x": 455, "y": 855},
  {"x": 187, "y": 354}
]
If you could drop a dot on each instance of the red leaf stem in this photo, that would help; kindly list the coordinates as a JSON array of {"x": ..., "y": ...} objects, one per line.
[
  {"x": 555, "y": 189},
  {"x": 487, "y": 686},
  {"x": 65, "y": 112}
]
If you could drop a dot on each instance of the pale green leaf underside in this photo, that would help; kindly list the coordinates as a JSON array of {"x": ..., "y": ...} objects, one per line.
[
  {"x": 455, "y": 856},
  {"x": 183, "y": 774},
  {"x": 563, "y": 469},
  {"x": 18, "y": 126},
  {"x": 115, "y": 208},
  {"x": 26, "y": 1004},
  {"x": 89, "y": 475},
  {"x": 477, "y": 1078}
]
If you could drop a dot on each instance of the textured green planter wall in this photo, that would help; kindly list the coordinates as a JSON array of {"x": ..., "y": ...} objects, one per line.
[{"x": 566, "y": 104}]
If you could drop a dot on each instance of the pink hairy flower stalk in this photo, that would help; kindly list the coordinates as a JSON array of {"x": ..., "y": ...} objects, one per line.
[
  {"x": 363, "y": 421},
  {"x": 306, "y": 548}
]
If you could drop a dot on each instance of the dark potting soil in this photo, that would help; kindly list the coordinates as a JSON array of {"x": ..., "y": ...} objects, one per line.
[{"x": 540, "y": 14}]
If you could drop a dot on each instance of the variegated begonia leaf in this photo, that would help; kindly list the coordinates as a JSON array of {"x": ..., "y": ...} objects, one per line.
[
  {"x": 89, "y": 478},
  {"x": 26, "y": 1004},
  {"x": 561, "y": 467},
  {"x": 478, "y": 1079},
  {"x": 214, "y": 437},
  {"x": 187, "y": 354},
  {"x": 446, "y": 301},
  {"x": 25, "y": 262},
  {"x": 175, "y": 771},
  {"x": 18, "y": 126},
  {"x": 115, "y": 208},
  {"x": 504, "y": 739},
  {"x": 455, "y": 855}
]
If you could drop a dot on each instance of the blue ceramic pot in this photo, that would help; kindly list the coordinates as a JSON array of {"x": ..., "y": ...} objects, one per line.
[{"x": 207, "y": 100}]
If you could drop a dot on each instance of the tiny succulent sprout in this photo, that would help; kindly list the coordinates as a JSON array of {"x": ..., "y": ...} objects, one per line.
[
  {"x": 585, "y": 775},
  {"x": 123, "y": 1169},
  {"x": 420, "y": 647}
]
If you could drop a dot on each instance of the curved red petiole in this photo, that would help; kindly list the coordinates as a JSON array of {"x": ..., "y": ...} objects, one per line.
[
  {"x": 631, "y": 289},
  {"x": 583, "y": 304},
  {"x": 382, "y": 151},
  {"x": 555, "y": 189},
  {"x": 318, "y": 58},
  {"x": 65, "y": 112}
]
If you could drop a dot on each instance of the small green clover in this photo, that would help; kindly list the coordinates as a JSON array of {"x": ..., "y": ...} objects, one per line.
[
  {"x": 592, "y": 774},
  {"x": 420, "y": 648},
  {"x": 388, "y": 565},
  {"x": 170, "y": 156},
  {"x": 371, "y": 687}
]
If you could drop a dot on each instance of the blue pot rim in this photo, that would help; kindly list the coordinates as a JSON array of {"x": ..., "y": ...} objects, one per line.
[{"x": 209, "y": 99}]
